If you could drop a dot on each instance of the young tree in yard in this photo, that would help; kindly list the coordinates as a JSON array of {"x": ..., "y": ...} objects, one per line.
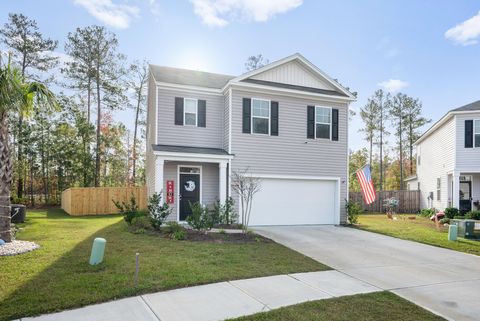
[
  {"x": 106, "y": 71},
  {"x": 246, "y": 186},
  {"x": 137, "y": 81},
  {"x": 255, "y": 62},
  {"x": 413, "y": 122},
  {"x": 31, "y": 50},
  {"x": 397, "y": 116},
  {"x": 16, "y": 96},
  {"x": 369, "y": 115}
]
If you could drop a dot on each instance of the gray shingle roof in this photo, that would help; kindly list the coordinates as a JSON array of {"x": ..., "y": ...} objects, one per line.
[
  {"x": 469, "y": 107},
  {"x": 188, "y": 149},
  {"x": 189, "y": 77}
]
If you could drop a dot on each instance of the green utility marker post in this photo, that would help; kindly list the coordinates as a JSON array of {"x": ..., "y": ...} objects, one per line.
[
  {"x": 452, "y": 232},
  {"x": 98, "y": 251}
]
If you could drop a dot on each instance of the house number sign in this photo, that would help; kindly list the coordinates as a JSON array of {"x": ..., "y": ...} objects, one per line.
[{"x": 170, "y": 193}]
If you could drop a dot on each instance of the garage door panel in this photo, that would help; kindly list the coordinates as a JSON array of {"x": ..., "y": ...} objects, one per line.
[{"x": 294, "y": 202}]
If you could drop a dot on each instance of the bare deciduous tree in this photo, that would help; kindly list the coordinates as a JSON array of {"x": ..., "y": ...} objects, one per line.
[
  {"x": 246, "y": 186},
  {"x": 255, "y": 62}
]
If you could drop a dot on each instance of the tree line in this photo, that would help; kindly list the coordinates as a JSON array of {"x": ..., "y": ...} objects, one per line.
[
  {"x": 389, "y": 162},
  {"x": 80, "y": 144}
]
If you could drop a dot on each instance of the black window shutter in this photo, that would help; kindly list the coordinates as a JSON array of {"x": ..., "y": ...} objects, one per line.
[
  {"x": 247, "y": 115},
  {"x": 178, "y": 111},
  {"x": 202, "y": 113},
  {"x": 311, "y": 122},
  {"x": 469, "y": 134},
  {"x": 334, "y": 124},
  {"x": 274, "y": 118}
]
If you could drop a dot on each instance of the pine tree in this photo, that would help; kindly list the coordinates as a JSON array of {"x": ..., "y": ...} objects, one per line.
[{"x": 413, "y": 122}]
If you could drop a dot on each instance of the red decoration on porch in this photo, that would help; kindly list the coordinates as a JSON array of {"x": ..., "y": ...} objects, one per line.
[{"x": 170, "y": 193}]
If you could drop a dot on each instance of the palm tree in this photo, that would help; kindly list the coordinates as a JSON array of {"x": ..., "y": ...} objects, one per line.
[{"x": 18, "y": 97}]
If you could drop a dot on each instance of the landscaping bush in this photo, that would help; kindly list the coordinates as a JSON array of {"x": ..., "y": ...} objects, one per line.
[
  {"x": 158, "y": 212},
  {"x": 179, "y": 235},
  {"x": 459, "y": 217},
  {"x": 474, "y": 215},
  {"x": 128, "y": 210},
  {"x": 224, "y": 213},
  {"x": 171, "y": 227},
  {"x": 444, "y": 220},
  {"x": 451, "y": 212},
  {"x": 141, "y": 222},
  {"x": 201, "y": 218},
  {"x": 353, "y": 210},
  {"x": 427, "y": 212}
]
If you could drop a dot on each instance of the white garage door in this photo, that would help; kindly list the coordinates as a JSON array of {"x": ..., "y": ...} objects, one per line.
[{"x": 294, "y": 202}]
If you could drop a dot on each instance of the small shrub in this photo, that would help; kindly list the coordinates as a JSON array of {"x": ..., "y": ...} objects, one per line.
[
  {"x": 172, "y": 227},
  {"x": 158, "y": 212},
  {"x": 128, "y": 210},
  {"x": 224, "y": 213},
  {"x": 141, "y": 222},
  {"x": 139, "y": 231},
  {"x": 459, "y": 217},
  {"x": 444, "y": 220},
  {"x": 474, "y": 215},
  {"x": 427, "y": 212},
  {"x": 353, "y": 210},
  {"x": 222, "y": 231},
  {"x": 201, "y": 218},
  {"x": 179, "y": 235},
  {"x": 451, "y": 212},
  {"x": 391, "y": 205}
]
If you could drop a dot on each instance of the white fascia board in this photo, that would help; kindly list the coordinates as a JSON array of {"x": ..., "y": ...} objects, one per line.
[
  {"x": 288, "y": 92},
  {"x": 193, "y": 157},
  {"x": 167, "y": 85},
  {"x": 299, "y": 177}
]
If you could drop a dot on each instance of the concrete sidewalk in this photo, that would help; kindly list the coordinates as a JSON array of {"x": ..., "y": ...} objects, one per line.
[{"x": 219, "y": 301}]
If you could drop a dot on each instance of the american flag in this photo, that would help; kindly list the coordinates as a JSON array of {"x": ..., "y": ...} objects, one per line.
[{"x": 365, "y": 180}]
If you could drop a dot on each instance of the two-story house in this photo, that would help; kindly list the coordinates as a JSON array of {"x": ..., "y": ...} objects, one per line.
[
  {"x": 287, "y": 123},
  {"x": 448, "y": 161}
]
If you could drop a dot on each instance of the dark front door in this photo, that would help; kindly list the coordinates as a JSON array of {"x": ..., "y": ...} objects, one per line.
[
  {"x": 465, "y": 197},
  {"x": 189, "y": 193}
]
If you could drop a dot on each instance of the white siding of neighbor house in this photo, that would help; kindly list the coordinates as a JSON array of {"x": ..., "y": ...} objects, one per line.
[
  {"x": 437, "y": 157},
  {"x": 170, "y": 134},
  {"x": 149, "y": 157},
  {"x": 291, "y": 153},
  {"x": 467, "y": 158},
  {"x": 294, "y": 73},
  {"x": 209, "y": 183}
]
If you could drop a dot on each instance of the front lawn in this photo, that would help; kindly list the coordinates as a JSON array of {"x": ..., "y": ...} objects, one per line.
[
  {"x": 379, "y": 306},
  {"x": 58, "y": 277},
  {"x": 420, "y": 229}
]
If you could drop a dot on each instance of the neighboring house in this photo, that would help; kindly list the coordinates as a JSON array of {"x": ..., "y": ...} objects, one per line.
[
  {"x": 448, "y": 161},
  {"x": 287, "y": 123}
]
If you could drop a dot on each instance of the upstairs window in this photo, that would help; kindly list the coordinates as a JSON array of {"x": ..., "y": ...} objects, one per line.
[
  {"x": 476, "y": 132},
  {"x": 190, "y": 112},
  {"x": 260, "y": 116},
  {"x": 323, "y": 122}
]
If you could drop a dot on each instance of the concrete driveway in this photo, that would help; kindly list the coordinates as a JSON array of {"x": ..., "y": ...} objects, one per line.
[{"x": 443, "y": 281}]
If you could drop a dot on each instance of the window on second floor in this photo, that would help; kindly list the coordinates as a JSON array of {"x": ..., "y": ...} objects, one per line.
[
  {"x": 190, "y": 112},
  {"x": 260, "y": 116},
  {"x": 476, "y": 132},
  {"x": 323, "y": 122}
]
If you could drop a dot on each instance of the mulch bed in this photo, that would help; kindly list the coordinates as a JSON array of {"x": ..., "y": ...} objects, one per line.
[{"x": 211, "y": 237}]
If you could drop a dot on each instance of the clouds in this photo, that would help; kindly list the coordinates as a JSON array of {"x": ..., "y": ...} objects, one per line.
[
  {"x": 465, "y": 33},
  {"x": 114, "y": 15},
  {"x": 393, "y": 85},
  {"x": 219, "y": 13}
]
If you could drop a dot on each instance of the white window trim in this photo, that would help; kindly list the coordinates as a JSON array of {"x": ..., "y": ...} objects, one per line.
[
  {"x": 263, "y": 117},
  {"x": 316, "y": 122},
  {"x": 475, "y": 133},
  {"x": 196, "y": 111},
  {"x": 178, "y": 187}
]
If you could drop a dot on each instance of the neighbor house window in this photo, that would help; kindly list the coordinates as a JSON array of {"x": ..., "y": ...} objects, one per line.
[
  {"x": 260, "y": 116},
  {"x": 323, "y": 121},
  {"x": 190, "y": 112},
  {"x": 476, "y": 132},
  {"x": 439, "y": 188}
]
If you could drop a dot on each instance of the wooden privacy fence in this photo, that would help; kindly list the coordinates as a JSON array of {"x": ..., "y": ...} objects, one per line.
[
  {"x": 98, "y": 200},
  {"x": 408, "y": 201}
]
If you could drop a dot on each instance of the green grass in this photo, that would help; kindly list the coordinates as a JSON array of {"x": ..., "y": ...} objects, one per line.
[
  {"x": 420, "y": 230},
  {"x": 57, "y": 276},
  {"x": 379, "y": 306}
]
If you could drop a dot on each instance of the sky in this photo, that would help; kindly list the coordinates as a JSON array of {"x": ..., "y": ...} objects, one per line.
[{"x": 428, "y": 49}]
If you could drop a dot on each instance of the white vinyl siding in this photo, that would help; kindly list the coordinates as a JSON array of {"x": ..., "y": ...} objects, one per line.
[
  {"x": 323, "y": 122},
  {"x": 260, "y": 116}
]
